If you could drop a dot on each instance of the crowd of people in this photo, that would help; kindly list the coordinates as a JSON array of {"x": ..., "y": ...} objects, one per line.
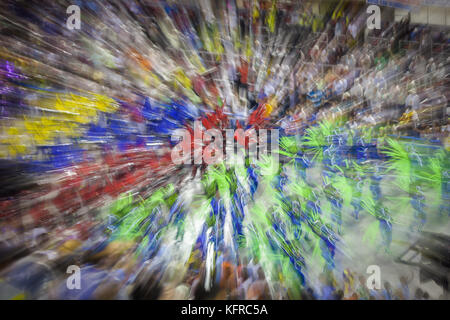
[{"x": 39, "y": 272}]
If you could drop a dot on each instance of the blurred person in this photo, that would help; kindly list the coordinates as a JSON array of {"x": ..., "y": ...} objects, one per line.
[
  {"x": 244, "y": 283},
  {"x": 387, "y": 293},
  {"x": 404, "y": 286},
  {"x": 418, "y": 295},
  {"x": 259, "y": 289},
  {"x": 146, "y": 287},
  {"x": 412, "y": 100},
  {"x": 328, "y": 290},
  {"x": 362, "y": 290}
]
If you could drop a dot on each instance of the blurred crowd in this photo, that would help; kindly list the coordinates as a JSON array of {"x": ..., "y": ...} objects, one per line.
[{"x": 39, "y": 272}]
